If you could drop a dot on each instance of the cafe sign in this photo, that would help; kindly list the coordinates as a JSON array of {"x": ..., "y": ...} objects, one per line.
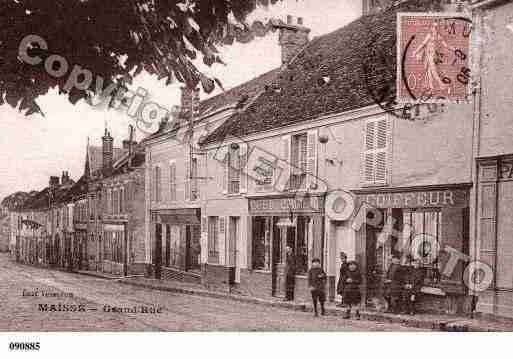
[
  {"x": 417, "y": 199},
  {"x": 294, "y": 204}
]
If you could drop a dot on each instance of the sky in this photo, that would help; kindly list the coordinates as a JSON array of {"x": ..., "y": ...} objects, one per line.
[{"x": 34, "y": 148}]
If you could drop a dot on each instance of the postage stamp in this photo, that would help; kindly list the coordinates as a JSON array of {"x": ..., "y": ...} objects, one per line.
[{"x": 433, "y": 57}]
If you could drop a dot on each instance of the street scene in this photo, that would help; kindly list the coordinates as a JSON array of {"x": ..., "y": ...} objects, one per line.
[
  {"x": 178, "y": 312},
  {"x": 256, "y": 165}
]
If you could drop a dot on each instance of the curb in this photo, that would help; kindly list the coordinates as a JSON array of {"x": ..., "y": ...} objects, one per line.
[{"x": 441, "y": 325}]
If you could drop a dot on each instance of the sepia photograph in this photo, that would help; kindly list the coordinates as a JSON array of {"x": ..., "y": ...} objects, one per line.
[{"x": 271, "y": 166}]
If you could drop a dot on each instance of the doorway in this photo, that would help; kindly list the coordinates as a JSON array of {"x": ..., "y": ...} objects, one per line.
[
  {"x": 233, "y": 243},
  {"x": 157, "y": 260}
]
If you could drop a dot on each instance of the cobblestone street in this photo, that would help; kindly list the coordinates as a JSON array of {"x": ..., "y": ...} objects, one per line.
[{"x": 179, "y": 312}]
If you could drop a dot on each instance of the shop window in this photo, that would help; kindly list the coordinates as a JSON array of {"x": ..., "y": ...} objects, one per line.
[
  {"x": 299, "y": 161},
  {"x": 213, "y": 238},
  {"x": 375, "y": 156},
  {"x": 415, "y": 224},
  {"x": 261, "y": 246},
  {"x": 302, "y": 245}
]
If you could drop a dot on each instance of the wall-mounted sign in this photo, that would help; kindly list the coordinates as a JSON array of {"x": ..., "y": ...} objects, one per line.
[
  {"x": 417, "y": 199},
  {"x": 286, "y": 205}
]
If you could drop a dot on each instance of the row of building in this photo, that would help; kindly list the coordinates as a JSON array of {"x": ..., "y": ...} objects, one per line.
[{"x": 211, "y": 199}]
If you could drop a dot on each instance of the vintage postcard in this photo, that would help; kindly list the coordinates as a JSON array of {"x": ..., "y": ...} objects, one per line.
[{"x": 300, "y": 166}]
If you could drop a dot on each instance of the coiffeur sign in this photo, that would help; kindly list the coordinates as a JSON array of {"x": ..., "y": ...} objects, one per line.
[{"x": 416, "y": 199}]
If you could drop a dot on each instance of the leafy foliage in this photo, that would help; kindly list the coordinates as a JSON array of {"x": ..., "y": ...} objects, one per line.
[{"x": 117, "y": 39}]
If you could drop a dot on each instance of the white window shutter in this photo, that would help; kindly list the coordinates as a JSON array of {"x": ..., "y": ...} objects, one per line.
[
  {"x": 381, "y": 154},
  {"x": 311, "y": 160},
  {"x": 221, "y": 244},
  {"x": 187, "y": 179},
  {"x": 243, "y": 159},
  {"x": 172, "y": 181},
  {"x": 375, "y": 157},
  {"x": 282, "y": 173},
  {"x": 222, "y": 157}
]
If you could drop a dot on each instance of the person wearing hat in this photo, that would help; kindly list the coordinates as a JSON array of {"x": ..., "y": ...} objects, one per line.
[
  {"x": 393, "y": 284},
  {"x": 317, "y": 284},
  {"x": 351, "y": 294},
  {"x": 290, "y": 273},
  {"x": 413, "y": 281},
  {"x": 342, "y": 277}
]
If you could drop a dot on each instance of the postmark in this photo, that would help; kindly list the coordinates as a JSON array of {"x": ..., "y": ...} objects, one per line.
[{"x": 433, "y": 57}]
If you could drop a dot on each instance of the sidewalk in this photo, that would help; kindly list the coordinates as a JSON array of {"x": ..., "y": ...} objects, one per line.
[{"x": 437, "y": 322}]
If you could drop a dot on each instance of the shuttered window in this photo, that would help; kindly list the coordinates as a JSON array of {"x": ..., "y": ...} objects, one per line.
[
  {"x": 172, "y": 181},
  {"x": 194, "y": 180},
  {"x": 158, "y": 184},
  {"x": 299, "y": 161},
  {"x": 375, "y": 156},
  {"x": 213, "y": 242},
  {"x": 234, "y": 170}
]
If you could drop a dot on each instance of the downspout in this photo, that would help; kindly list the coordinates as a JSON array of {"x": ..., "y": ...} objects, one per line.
[{"x": 476, "y": 133}]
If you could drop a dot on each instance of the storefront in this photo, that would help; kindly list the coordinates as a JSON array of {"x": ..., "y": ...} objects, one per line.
[
  {"x": 494, "y": 246},
  {"x": 177, "y": 250},
  {"x": 114, "y": 248},
  {"x": 277, "y": 223},
  {"x": 417, "y": 223}
]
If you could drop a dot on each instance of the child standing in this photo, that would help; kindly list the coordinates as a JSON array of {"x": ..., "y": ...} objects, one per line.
[
  {"x": 352, "y": 296},
  {"x": 317, "y": 283}
]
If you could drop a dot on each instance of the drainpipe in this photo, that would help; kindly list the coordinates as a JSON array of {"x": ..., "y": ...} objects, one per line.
[{"x": 476, "y": 142}]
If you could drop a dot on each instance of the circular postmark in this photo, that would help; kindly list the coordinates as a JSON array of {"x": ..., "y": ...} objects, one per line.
[{"x": 432, "y": 57}]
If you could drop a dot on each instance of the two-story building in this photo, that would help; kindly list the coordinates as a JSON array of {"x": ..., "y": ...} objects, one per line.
[
  {"x": 111, "y": 216},
  {"x": 318, "y": 128},
  {"x": 493, "y": 153}
]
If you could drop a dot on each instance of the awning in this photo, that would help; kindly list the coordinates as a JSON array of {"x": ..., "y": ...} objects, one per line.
[
  {"x": 189, "y": 216},
  {"x": 179, "y": 219}
]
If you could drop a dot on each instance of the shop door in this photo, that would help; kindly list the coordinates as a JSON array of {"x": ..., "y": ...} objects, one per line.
[
  {"x": 157, "y": 261},
  {"x": 233, "y": 243},
  {"x": 276, "y": 257},
  {"x": 192, "y": 247}
]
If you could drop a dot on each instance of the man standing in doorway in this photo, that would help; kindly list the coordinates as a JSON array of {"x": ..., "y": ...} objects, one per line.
[{"x": 290, "y": 274}]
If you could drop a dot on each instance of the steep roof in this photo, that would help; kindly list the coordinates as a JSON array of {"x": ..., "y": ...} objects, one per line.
[
  {"x": 95, "y": 157},
  {"x": 236, "y": 96},
  {"x": 328, "y": 76}
]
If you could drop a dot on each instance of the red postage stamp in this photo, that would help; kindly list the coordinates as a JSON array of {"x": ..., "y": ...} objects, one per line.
[{"x": 433, "y": 57}]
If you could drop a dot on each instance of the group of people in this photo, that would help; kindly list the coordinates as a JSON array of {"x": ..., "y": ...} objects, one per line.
[
  {"x": 402, "y": 286},
  {"x": 348, "y": 286}
]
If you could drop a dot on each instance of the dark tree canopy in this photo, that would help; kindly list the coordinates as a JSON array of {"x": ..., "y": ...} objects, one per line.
[{"x": 162, "y": 37}]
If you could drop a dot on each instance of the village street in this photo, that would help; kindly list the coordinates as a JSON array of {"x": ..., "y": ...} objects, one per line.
[{"x": 83, "y": 299}]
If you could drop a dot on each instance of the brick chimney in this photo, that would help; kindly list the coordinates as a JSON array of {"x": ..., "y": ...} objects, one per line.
[
  {"x": 292, "y": 38},
  {"x": 54, "y": 181},
  {"x": 65, "y": 178},
  {"x": 107, "y": 150}
]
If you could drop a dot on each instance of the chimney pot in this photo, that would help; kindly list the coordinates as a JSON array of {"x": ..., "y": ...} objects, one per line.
[
  {"x": 292, "y": 38},
  {"x": 107, "y": 150}
]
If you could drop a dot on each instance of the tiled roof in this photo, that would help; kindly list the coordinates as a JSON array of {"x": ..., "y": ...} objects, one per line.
[
  {"x": 238, "y": 95},
  {"x": 95, "y": 154},
  {"x": 300, "y": 93},
  {"x": 247, "y": 90}
]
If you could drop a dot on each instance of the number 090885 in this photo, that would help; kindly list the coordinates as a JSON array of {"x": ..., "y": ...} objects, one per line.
[{"x": 24, "y": 346}]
